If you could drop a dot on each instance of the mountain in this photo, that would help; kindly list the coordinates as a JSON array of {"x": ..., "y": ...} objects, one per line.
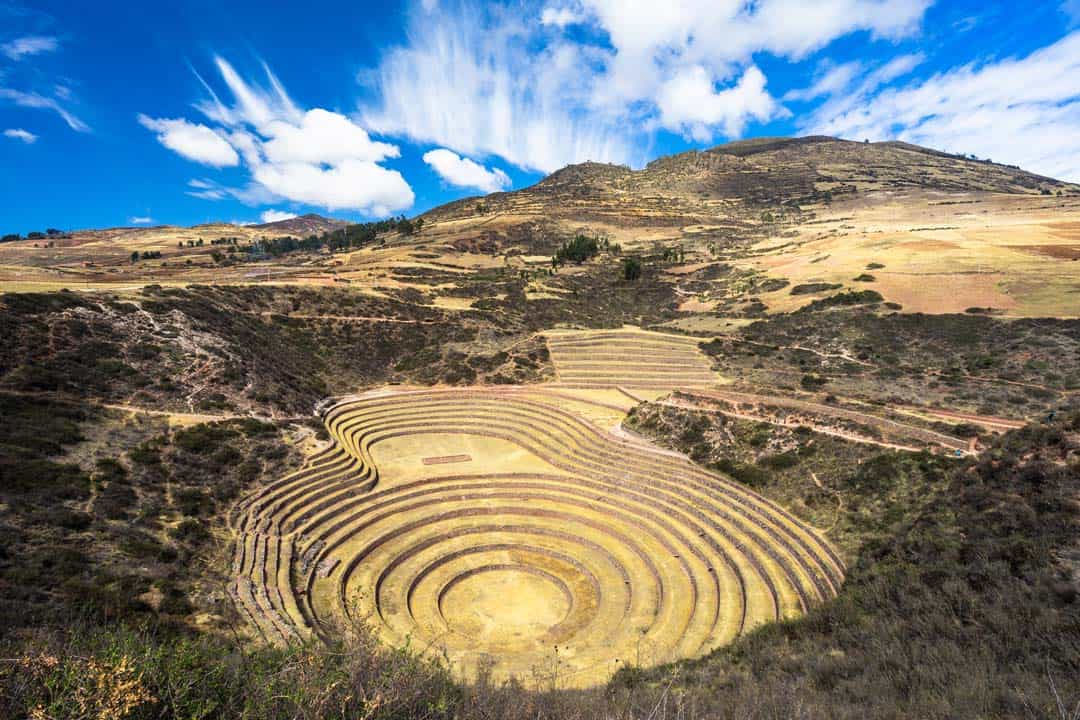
[
  {"x": 929, "y": 231},
  {"x": 302, "y": 225},
  {"x": 739, "y": 178}
]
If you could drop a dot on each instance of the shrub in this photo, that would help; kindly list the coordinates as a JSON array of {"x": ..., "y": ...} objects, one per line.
[
  {"x": 781, "y": 461},
  {"x": 811, "y": 288},
  {"x": 190, "y": 531}
]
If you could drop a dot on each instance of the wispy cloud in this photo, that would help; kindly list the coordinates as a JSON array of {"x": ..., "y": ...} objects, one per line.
[
  {"x": 464, "y": 172},
  {"x": 35, "y": 100},
  {"x": 140, "y": 220},
  {"x": 19, "y": 134},
  {"x": 479, "y": 82},
  {"x": 967, "y": 24},
  {"x": 831, "y": 79},
  {"x": 848, "y": 86},
  {"x": 316, "y": 157},
  {"x": 30, "y": 45},
  {"x": 1017, "y": 110},
  {"x": 207, "y": 189}
]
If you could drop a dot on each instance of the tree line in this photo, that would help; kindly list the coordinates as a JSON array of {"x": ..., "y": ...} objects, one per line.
[{"x": 51, "y": 233}]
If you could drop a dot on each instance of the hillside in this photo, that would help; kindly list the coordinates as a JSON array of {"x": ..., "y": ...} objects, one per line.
[
  {"x": 944, "y": 233},
  {"x": 927, "y": 231}
]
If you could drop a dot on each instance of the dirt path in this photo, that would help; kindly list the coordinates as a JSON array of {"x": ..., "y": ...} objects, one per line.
[
  {"x": 829, "y": 356},
  {"x": 342, "y": 318},
  {"x": 140, "y": 410},
  {"x": 188, "y": 417},
  {"x": 936, "y": 373},
  {"x": 881, "y": 423},
  {"x": 687, "y": 405},
  {"x": 986, "y": 421},
  {"x": 839, "y": 503}
]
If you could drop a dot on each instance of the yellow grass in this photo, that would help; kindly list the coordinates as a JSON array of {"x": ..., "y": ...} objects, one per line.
[{"x": 1006, "y": 252}]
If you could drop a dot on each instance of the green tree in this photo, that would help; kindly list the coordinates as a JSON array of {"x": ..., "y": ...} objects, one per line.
[
  {"x": 631, "y": 269},
  {"x": 578, "y": 250}
]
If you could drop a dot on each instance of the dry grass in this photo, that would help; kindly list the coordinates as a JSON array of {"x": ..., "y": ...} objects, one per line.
[{"x": 1010, "y": 253}]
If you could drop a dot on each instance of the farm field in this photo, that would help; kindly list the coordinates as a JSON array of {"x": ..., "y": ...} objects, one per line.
[{"x": 628, "y": 358}]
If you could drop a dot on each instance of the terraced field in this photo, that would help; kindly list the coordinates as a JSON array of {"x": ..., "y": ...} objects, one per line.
[
  {"x": 503, "y": 529},
  {"x": 629, "y": 358}
]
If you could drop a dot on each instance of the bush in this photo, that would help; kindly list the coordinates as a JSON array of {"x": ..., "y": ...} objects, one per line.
[
  {"x": 203, "y": 439},
  {"x": 782, "y": 461},
  {"x": 749, "y": 475},
  {"x": 846, "y": 299},
  {"x": 811, "y": 288},
  {"x": 190, "y": 531},
  {"x": 631, "y": 269}
]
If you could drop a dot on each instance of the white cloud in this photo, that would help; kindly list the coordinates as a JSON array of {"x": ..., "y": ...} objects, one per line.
[
  {"x": 655, "y": 41},
  {"x": 140, "y": 220},
  {"x": 482, "y": 80},
  {"x": 269, "y": 216},
  {"x": 29, "y": 45},
  {"x": 464, "y": 172},
  {"x": 19, "y": 134},
  {"x": 1018, "y": 110},
  {"x": 323, "y": 137},
  {"x": 689, "y": 103},
  {"x": 316, "y": 157},
  {"x": 561, "y": 16},
  {"x": 35, "y": 100},
  {"x": 349, "y": 184},
  {"x": 193, "y": 141}
]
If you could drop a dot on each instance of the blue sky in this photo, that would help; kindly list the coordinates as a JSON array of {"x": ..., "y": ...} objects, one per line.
[{"x": 188, "y": 112}]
